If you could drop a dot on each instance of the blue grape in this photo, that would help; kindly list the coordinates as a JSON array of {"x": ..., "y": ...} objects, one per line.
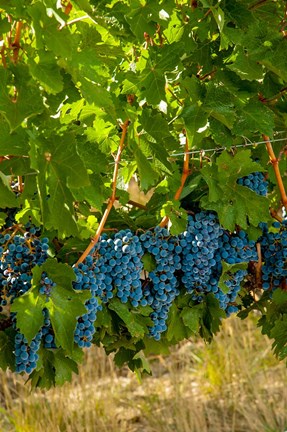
[
  {"x": 161, "y": 288},
  {"x": 86, "y": 280},
  {"x": 46, "y": 285},
  {"x": 48, "y": 335},
  {"x": 26, "y": 354},
  {"x": 18, "y": 255},
  {"x": 256, "y": 182},
  {"x": 274, "y": 254}
]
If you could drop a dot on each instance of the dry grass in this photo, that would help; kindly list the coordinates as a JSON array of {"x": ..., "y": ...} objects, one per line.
[{"x": 232, "y": 385}]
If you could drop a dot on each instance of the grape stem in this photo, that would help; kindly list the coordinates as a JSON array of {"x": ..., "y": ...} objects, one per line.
[
  {"x": 20, "y": 184},
  {"x": 74, "y": 21},
  {"x": 112, "y": 199},
  {"x": 275, "y": 163},
  {"x": 16, "y": 43},
  {"x": 174, "y": 95},
  {"x": 184, "y": 175}
]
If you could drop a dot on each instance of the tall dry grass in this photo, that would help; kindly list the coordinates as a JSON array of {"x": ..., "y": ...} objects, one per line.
[{"x": 232, "y": 385}]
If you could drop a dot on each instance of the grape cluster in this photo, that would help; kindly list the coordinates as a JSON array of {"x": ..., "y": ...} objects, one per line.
[
  {"x": 199, "y": 259},
  {"x": 274, "y": 254},
  {"x": 127, "y": 266},
  {"x": 102, "y": 271},
  {"x": 256, "y": 182},
  {"x": 236, "y": 248},
  {"x": 162, "y": 286},
  {"x": 86, "y": 280},
  {"x": 26, "y": 354},
  {"x": 19, "y": 253},
  {"x": 227, "y": 299},
  {"x": 191, "y": 262},
  {"x": 207, "y": 245}
]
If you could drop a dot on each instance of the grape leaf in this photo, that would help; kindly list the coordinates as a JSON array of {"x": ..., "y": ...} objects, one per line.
[
  {"x": 191, "y": 317},
  {"x": 7, "y": 197},
  {"x": 234, "y": 203},
  {"x": 64, "y": 368},
  {"x": 254, "y": 117},
  {"x": 25, "y": 100},
  {"x": 47, "y": 73},
  {"x": 29, "y": 308},
  {"x": 195, "y": 120},
  {"x": 246, "y": 67},
  {"x": 135, "y": 328},
  {"x": 7, "y": 347},
  {"x": 211, "y": 318},
  {"x": 176, "y": 330},
  {"x": 148, "y": 261},
  {"x": 13, "y": 142},
  {"x": 65, "y": 307}
]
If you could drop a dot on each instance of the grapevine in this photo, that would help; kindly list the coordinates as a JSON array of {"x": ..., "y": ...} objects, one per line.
[{"x": 142, "y": 177}]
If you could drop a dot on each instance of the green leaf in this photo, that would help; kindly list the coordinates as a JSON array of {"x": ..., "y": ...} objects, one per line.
[
  {"x": 195, "y": 120},
  {"x": 279, "y": 297},
  {"x": 279, "y": 334},
  {"x": 46, "y": 71},
  {"x": 65, "y": 307},
  {"x": 60, "y": 273},
  {"x": 228, "y": 270},
  {"x": 157, "y": 127},
  {"x": 148, "y": 175},
  {"x": 19, "y": 99},
  {"x": 276, "y": 60},
  {"x": 59, "y": 167},
  {"x": 148, "y": 261},
  {"x": 220, "y": 100},
  {"x": 219, "y": 17},
  {"x": 191, "y": 317},
  {"x": 156, "y": 347},
  {"x": 246, "y": 67},
  {"x": 211, "y": 318},
  {"x": 46, "y": 27},
  {"x": 55, "y": 368},
  {"x": 64, "y": 368},
  {"x": 254, "y": 117},
  {"x": 220, "y": 133},
  {"x": 135, "y": 328},
  {"x": 7, "y": 197},
  {"x": 3, "y": 217},
  {"x": 176, "y": 330},
  {"x": 7, "y": 347},
  {"x": 139, "y": 23},
  {"x": 13, "y": 142},
  {"x": 29, "y": 308}
]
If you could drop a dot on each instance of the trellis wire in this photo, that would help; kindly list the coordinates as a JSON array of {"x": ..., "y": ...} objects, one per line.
[{"x": 219, "y": 149}]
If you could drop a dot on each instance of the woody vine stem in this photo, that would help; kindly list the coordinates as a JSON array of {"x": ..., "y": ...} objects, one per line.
[
  {"x": 112, "y": 199},
  {"x": 184, "y": 176},
  {"x": 275, "y": 163}
]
